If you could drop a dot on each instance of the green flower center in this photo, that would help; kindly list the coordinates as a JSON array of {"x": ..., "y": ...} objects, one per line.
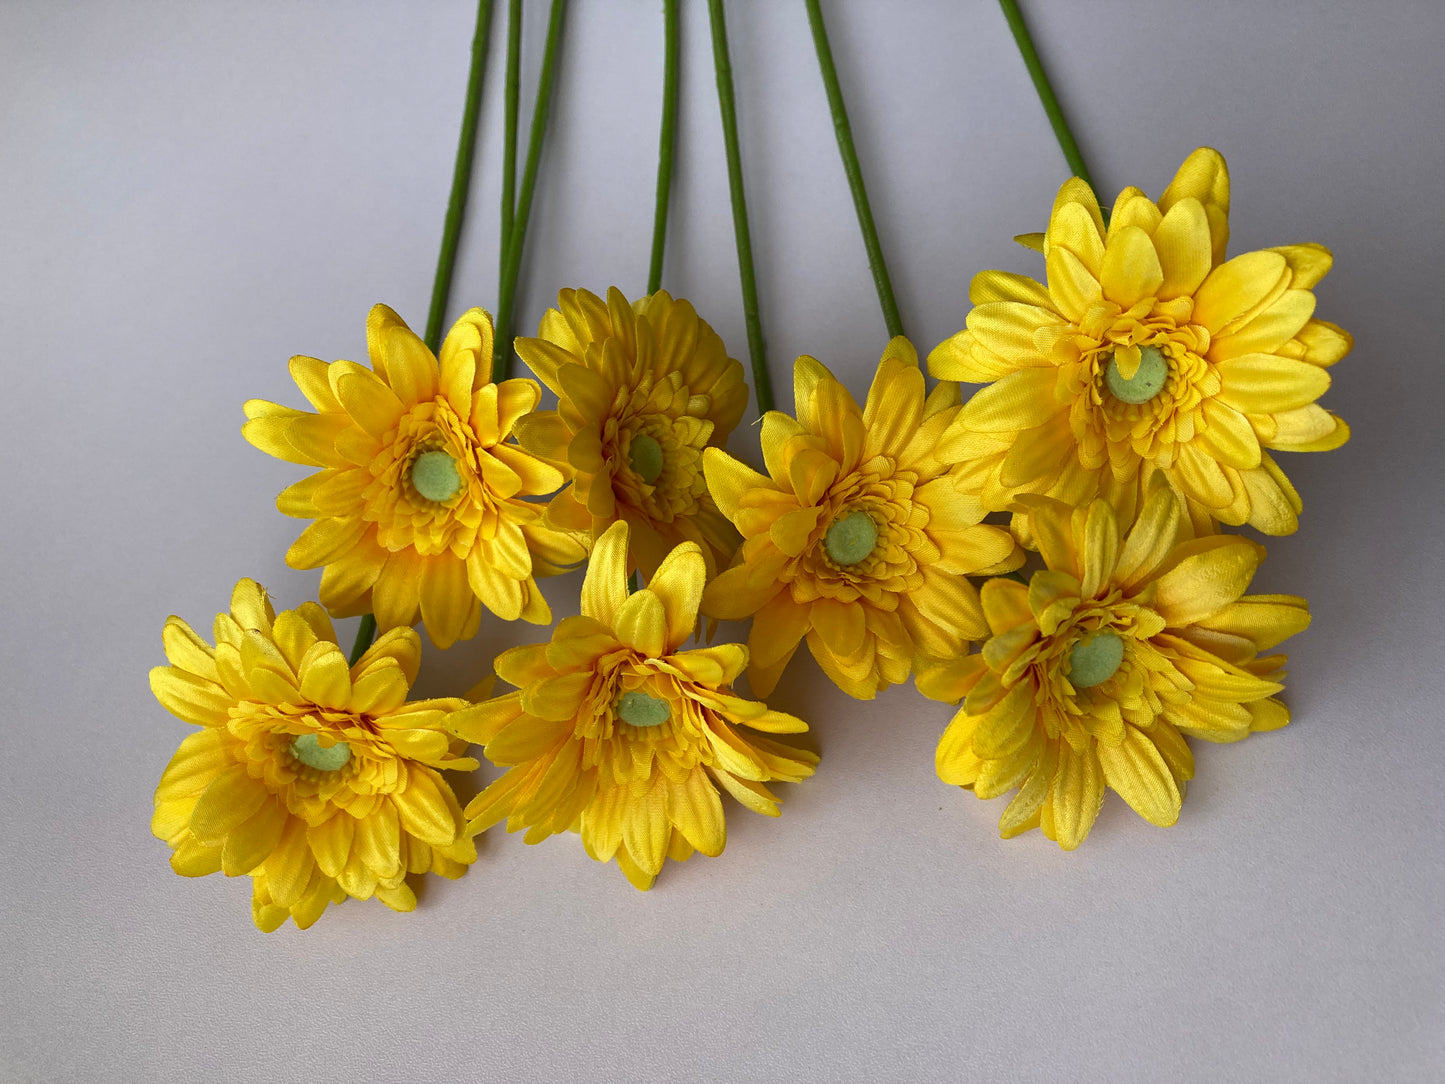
[
  {"x": 851, "y": 539},
  {"x": 434, "y": 474},
  {"x": 639, "y": 709},
  {"x": 644, "y": 455},
  {"x": 1147, "y": 382},
  {"x": 1093, "y": 661},
  {"x": 307, "y": 749}
]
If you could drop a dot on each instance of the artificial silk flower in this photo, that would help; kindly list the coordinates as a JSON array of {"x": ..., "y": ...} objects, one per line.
[
  {"x": 617, "y": 734},
  {"x": 421, "y": 505},
  {"x": 1147, "y": 352},
  {"x": 1133, "y": 636},
  {"x": 860, "y": 538},
  {"x": 316, "y": 778},
  {"x": 641, "y": 389}
]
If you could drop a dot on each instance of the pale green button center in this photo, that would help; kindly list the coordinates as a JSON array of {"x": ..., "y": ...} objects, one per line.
[
  {"x": 1147, "y": 382},
  {"x": 644, "y": 455},
  {"x": 434, "y": 474},
  {"x": 1093, "y": 661},
  {"x": 639, "y": 709},
  {"x": 307, "y": 749},
  {"x": 851, "y": 538}
]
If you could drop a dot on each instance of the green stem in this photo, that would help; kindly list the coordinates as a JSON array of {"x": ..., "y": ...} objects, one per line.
[
  {"x": 364, "y": 632},
  {"x": 461, "y": 179},
  {"x": 762, "y": 385},
  {"x": 451, "y": 229},
  {"x": 1046, "y": 93},
  {"x": 844, "y": 131},
  {"x": 664, "y": 143},
  {"x": 509, "y": 132},
  {"x": 502, "y": 347}
]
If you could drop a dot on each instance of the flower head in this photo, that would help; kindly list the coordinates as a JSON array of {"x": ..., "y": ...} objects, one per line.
[
  {"x": 420, "y": 506},
  {"x": 618, "y": 734},
  {"x": 317, "y": 779},
  {"x": 1131, "y": 637},
  {"x": 641, "y": 389},
  {"x": 1147, "y": 352},
  {"x": 860, "y": 538}
]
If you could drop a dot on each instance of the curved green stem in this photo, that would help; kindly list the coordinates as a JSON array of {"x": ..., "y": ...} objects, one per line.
[
  {"x": 844, "y": 131},
  {"x": 502, "y": 347},
  {"x": 762, "y": 385},
  {"x": 451, "y": 229},
  {"x": 1046, "y": 93},
  {"x": 509, "y": 132},
  {"x": 664, "y": 143}
]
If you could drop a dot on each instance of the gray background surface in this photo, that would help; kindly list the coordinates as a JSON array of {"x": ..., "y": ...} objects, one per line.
[{"x": 190, "y": 193}]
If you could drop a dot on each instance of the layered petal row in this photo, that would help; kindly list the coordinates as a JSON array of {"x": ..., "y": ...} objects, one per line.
[
  {"x": 319, "y": 780},
  {"x": 642, "y": 390},
  {"x": 1135, "y": 634},
  {"x": 859, "y": 538},
  {"x": 421, "y": 505},
  {"x": 617, "y": 733},
  {"x": 1147, "y": 352}
]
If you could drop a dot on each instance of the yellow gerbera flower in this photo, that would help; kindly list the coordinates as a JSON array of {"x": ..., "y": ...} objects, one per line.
[
  {"x": 420, "y": 506},
  {"x": 861, "y": 538},
  {"x": 618, "y": 735},
  {"x": 1147, "y": 352},
  {"x": 317, "y": 779},
  {"x": 641, "y": 390},
  {"x": 1100, "y": 663}
]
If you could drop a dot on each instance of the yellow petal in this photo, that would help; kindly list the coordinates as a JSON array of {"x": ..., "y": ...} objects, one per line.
[
  {"x": 1264, "y": 383},
  {"x": 1078, "y": 794},
  {"x": 1183, "y": 243},
  {"x": 250, "y": 843},
  {"x": 641, "y": 624},
  {"x": 894, "y": 407},
  {"x": 697, "y": 812},
  {"x": 1039, "y": 453},
  {"x": 1325, "y": 343},
  {"x": 1266, "y": 331},
  {"x": 312, "y": 377},
  {"x": 1073, "y": 287},
  {"x": 400, "y": 357},
  {"x": 989, "y": 286},
  {"x": 372, "y": 404},
  {"x": 604, "y": 588},
  {"x": 1007, "y": 726},
  {"x": 678, "y": 584},
  {"x": 1020, "y": 400},
  {"x": 1131, "y": 270},
  {"x": 728, "y": 479},
  {"x": 330, "y": 842},
  {"x": 1227, "y": 435},
  {"x": 290, "y": 865},
  {"x": 228, "y": 801},
  {"x": 1308, "y": 263},
  {"x": 1151, "y": 539},
  {"x": 325, "y": 540},
  {"x": 427, "y": 808},
  {"x": 1266, "y": 620},
  {"x": 1204, "y": 177},
  {"x": 1235, "y": 287},
  {"x": 190, "y": 698},
  {"x": 325, "y": 677},
  {"x": 1139, "y": 774},
  {"x": 1207, "y": 574},
  {"x": 1100, "y": 550},
  {"x": 447, "y": 601}
]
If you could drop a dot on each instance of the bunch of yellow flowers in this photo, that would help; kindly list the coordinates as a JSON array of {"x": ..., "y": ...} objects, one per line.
[{"x": 1130, "y": 405}]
